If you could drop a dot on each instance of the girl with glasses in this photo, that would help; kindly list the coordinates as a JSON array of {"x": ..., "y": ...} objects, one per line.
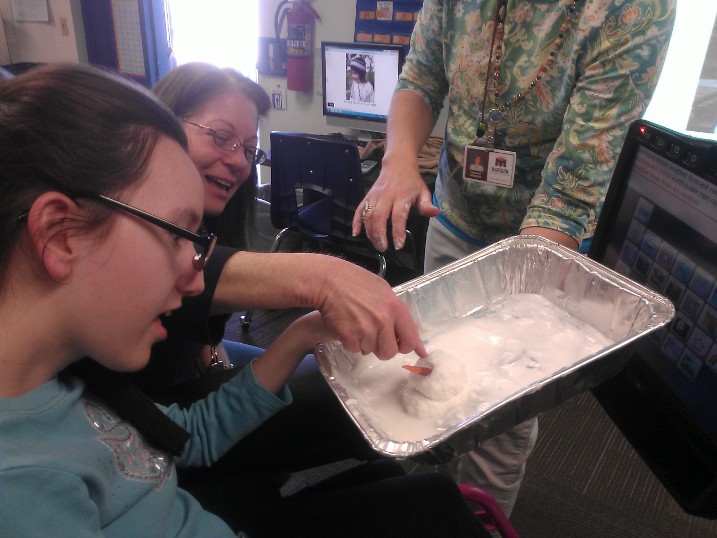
[{"x": 99, "y": 210}]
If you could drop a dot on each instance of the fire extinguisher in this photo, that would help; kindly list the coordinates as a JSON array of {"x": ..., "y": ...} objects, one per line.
[{"x": 299, "y": 17}]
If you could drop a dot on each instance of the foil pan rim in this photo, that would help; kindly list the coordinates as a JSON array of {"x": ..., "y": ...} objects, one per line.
[{"x": 661, "y": 311}]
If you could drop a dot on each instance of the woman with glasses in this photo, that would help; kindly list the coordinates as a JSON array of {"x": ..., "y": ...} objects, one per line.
[
  {"x": 99, "y": 242},
  {"x": 220, "y": 110}
]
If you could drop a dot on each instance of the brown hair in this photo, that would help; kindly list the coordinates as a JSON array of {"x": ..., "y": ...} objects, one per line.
[
  {"x": 73, "y": 127},
  {"x": 186, "y": 89}
]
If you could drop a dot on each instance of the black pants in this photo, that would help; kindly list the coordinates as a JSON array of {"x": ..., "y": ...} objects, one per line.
[{"x": 374, "y": 498}]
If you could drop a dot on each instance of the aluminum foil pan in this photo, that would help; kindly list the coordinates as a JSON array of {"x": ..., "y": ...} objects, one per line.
[{"x": 620, "y": 309}]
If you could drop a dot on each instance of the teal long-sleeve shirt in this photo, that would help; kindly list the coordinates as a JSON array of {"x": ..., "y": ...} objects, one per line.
[
  {"x": 569, "y": 128},
  {"x": 70, "y": 467}
]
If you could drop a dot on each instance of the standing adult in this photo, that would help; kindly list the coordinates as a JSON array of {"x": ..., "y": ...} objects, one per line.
[{"x": 542, "y": 92}]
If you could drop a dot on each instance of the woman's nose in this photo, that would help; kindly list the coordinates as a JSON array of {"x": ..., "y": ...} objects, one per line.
[{"x": 237, "y": 161}]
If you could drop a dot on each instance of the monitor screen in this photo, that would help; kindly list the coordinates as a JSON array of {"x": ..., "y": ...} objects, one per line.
[
  {"x": 659, "y": 228},
  {"x": 359, "y": 79}
]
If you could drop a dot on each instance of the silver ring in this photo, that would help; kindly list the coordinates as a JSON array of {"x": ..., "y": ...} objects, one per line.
[{"x": 367, "y": 207}]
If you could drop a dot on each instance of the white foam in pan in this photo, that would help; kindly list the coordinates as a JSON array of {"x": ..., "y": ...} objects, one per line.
[{"x": 512, "y": 330}]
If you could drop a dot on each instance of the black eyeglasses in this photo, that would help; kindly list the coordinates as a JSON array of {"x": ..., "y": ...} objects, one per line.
[
  {"x": 203, "y": 244},
  {"x": 228, "y": 141}
]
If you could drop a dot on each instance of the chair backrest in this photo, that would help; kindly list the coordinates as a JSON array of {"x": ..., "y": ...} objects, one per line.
[{"x": 326, "y": 173}]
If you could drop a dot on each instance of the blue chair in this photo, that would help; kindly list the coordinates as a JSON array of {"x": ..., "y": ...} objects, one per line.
[{"x": 316, "y": 186}]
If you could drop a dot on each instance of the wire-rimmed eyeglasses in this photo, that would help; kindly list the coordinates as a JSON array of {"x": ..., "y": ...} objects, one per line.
[
  {"x": 228, "y": 141},
  {"x": 203, "y": 243}
]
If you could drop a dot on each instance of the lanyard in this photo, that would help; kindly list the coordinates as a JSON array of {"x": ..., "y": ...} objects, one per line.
[{"x": 486, "y": 131}]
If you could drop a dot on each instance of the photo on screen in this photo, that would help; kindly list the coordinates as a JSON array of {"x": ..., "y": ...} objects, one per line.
[{"x": 360, "y": 78}]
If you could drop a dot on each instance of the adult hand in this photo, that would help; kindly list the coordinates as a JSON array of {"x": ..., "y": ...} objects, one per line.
[
  {"x": 362, "y": 311},
  {"x": 398, "y": 187},
  {"x": 360, "y": 308}
]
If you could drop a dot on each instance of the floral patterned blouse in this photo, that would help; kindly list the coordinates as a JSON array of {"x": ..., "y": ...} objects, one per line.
[{"x": 567, "y": 131}]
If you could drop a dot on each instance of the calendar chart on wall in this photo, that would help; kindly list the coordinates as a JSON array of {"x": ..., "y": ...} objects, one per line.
[{"x": 128, "y": 32}]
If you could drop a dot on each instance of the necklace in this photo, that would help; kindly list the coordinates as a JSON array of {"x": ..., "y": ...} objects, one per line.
[{"x": 498, "y": 110}]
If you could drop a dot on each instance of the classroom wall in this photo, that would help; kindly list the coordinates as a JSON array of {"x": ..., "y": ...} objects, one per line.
[
  {"x": 22, "y": 41},
  {"x": 304, "y": 109},
  {"x": 304, "y": 112},
  {"x": 45, "y": 42}
]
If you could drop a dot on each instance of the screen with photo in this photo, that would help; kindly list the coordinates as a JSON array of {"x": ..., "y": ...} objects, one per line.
[
  {"x": 358, "y": 79},
  {"x": 659, "y": 228}
]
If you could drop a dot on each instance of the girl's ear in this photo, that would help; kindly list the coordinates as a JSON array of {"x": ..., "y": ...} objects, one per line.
[{"x": 50, "y": 230}]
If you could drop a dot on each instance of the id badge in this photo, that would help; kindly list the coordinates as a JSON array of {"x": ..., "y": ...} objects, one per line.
[{"x": 494, "y": 166}]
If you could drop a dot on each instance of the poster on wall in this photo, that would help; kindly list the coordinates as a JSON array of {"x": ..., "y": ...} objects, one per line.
[
  {"x": 30, "y": 10},
  {"x": 128, "y": 31}
]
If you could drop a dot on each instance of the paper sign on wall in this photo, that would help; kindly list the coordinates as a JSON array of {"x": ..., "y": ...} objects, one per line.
[{"x": 30, "y": 10}]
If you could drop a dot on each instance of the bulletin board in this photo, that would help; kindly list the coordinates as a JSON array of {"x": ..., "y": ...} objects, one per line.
[
  {"x": 129, "y": 36},
  {"x": 386, "y": 22}
]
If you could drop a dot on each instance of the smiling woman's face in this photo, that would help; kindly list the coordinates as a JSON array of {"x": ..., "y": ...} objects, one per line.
[{"x": 222, "y": 171}]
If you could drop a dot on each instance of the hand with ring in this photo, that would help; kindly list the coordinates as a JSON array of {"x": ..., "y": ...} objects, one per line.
[
  {"x": 391, "y": 197},
  {"x": 366, "y": 208}
]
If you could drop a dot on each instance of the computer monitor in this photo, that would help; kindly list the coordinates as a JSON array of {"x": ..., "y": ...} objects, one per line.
[
  {"x": 353, "y": 97},
  {"x": 659, "y": 227}
]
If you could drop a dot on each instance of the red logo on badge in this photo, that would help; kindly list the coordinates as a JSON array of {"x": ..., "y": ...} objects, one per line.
[{"x": 501, "y": 162}]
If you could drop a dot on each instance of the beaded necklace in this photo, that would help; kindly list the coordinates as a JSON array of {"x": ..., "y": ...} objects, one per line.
[{"x": 496, "y": 113}]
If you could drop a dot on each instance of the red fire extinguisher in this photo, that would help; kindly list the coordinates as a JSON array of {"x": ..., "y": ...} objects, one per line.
[{"x": 300, "y": 41}]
